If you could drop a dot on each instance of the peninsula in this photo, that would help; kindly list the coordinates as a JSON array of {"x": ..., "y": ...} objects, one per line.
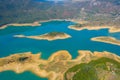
[
  {"x": 55, "y": 68},
  {"x": 82, "y": 26},
  {"x": 105, "y": 39},
  {"x": 21, "y": 25},
  {"x": 48, "y": 36}
]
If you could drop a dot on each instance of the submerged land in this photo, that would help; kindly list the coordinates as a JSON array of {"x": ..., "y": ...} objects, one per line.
[
  {"x": 48, "y": 36},
  {"x": 105, "y": 39},
  {"x": 61, "y": 66}
]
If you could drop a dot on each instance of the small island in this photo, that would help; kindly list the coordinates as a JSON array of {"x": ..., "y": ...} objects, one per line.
[
  {"x": 105, "y": 39},
  {"x": 48, "y": 36},
  {"x": 79, "y": 27},
  {"x": 60, "y": 65}
]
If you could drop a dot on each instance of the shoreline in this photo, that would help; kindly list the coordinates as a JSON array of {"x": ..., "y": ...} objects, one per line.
[
  {"x": 36, "y": 23},
  {"x": 111, "y": 29},
  {"x": 42, "y": 21},
  {"x": 55, "y": 66},
  {"x": 104, "y": 39}
]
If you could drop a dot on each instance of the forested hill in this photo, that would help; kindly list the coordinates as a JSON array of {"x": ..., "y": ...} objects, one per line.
[{"x": 22, "y": 11}]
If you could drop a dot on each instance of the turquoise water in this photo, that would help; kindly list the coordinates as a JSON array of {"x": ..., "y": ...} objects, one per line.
[
  {"x": 10, "y": 75},
  {"x": 80, "y": 41}
]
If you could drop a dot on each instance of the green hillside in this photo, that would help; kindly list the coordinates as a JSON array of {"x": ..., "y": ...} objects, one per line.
[{"x": 101, "y": 69}]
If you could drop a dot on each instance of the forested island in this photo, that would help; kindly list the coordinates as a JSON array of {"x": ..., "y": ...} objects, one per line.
[{"x": 48, "y": 36}]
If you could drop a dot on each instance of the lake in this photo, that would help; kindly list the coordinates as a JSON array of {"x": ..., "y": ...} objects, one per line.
[{"x": 80, "y": 40}]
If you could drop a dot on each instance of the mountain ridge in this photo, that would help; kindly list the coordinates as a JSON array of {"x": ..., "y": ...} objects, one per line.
[{"x": 24, "y": 11}]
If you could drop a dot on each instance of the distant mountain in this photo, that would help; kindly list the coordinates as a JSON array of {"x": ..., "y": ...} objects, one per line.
[{"x": 32, "y": 10}]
